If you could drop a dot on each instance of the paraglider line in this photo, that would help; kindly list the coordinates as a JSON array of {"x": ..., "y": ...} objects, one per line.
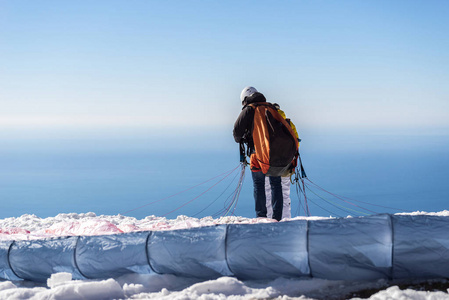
[
  {"x": 238, "y": 190},
  {"x": 199, "y": 194},
  {"x": 332, "y": 213},
  {"x": 171, "y": 196},
  {"x": 343, "y": 208},
  {"x": 217, "y": 197},
  {"x": 342, "y": 198}
]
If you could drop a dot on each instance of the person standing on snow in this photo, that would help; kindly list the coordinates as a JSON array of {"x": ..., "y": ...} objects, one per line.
[
  {"x": 243, "y": 133},
  {"x": 285, "y": 180}
]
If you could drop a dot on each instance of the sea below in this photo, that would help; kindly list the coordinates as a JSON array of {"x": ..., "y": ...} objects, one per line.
[{"x": 371, "y": 174}]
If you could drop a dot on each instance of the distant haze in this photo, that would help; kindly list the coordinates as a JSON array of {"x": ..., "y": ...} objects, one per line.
[{"x": 165, "y": 66}]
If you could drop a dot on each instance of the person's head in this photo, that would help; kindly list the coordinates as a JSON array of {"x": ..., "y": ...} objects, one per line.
[{"x": 247, "y": 92}]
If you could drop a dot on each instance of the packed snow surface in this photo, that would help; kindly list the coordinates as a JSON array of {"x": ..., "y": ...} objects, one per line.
[
  {"x": 28, "y": 227},
  {"x": 137, "y": 286}
]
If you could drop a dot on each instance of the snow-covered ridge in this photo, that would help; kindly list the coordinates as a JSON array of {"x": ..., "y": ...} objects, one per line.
[
  {"x": 28, "y": 227},
  {"x": 168, "y": 286}
]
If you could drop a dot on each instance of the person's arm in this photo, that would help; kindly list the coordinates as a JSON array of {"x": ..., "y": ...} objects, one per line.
[{"x": 243, "y": 124}]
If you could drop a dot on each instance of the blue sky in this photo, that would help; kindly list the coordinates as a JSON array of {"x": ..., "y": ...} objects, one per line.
[{"x": 154, "y": 67}]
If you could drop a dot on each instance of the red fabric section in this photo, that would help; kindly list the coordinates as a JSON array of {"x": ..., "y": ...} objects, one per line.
[{"x": 254, "y": 164}]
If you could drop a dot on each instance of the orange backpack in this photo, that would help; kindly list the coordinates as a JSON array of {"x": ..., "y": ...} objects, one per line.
[{"x": 275, "y": 143}]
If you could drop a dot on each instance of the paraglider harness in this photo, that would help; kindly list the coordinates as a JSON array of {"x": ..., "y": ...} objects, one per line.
[{"x": 297, "y": 172}]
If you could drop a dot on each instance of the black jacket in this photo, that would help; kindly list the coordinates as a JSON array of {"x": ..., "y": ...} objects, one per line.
[{"x": 244, "y": 124}]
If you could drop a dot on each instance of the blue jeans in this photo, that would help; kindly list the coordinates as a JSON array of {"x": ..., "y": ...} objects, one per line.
[{"x": 260, "y": 198}]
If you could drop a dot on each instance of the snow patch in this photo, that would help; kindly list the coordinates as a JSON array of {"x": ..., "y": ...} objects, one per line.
[
  {"x": 395, "y": 293},
  {"x": 31, "y": 227},
  {"x": 58, "y": 279}
]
